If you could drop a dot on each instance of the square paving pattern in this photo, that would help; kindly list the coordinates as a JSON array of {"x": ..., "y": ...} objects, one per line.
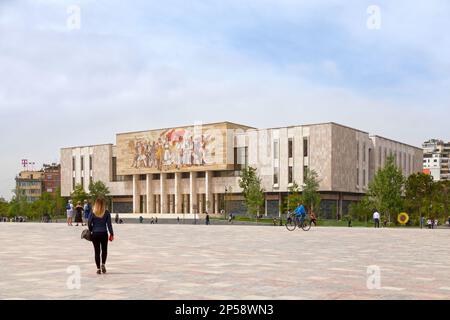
[{"x": 198, "y": 262}]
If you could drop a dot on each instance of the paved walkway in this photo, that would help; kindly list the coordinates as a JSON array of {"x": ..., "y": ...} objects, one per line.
[{"x": 225, "y": 262}]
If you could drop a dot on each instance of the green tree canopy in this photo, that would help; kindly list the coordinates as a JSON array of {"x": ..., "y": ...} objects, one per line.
[
  {"x": 310, "y": 194},
  {"x": 98, "y": 190},
  {"x": 78, "y": 194},
  {"x": 250, "y": 183},
  {"x": 386, "y": 190}
]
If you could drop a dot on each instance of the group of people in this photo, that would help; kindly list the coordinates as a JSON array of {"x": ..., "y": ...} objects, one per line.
[{"x": 81, "y": 213}]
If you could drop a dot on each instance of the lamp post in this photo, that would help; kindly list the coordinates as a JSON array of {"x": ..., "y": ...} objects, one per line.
[{"x": 228, "y": 190}]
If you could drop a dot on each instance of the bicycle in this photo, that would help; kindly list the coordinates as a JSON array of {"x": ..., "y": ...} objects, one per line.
[{"x": 293, "y": 222}]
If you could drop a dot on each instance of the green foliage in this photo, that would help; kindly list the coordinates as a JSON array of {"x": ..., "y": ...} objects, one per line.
[
  {"x": 78, "y": 194},
  {"x": 292, "y": 200},
  {"x": 310, "y": 195},
  {"x": 250, "y": 183},
  {"x": 386, "y": 190},
  {"x": 360, "y": 211},
  {"x": 98, "y": 190},
  {"x": 419, "y": 189},
  {"x": 4, "y": 207}
]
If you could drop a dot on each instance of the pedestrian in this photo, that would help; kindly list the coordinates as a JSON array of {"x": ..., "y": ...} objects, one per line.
[
  {"x": 78, "y": 214},
  {"x": 376, "y": 218},
  {"x": 207, "y": 219},
  {"x": 87, "y": 211},
  {"x": 385, "y": 222},
  {"x": 429, "y": 225},
  {"x": 156, "y": 220},
  {"x": 99, "y": 224},
  {"x": 449, "y": 221},
  {"x": 422, "y": 222},
  {"x": 69, "y": 211},
  {"x": 152, "y": 221},
  {"x": 117, "y": 218},
  {"x": 436, "y": 223},
  {"x": 313, "y": 218},
  {"x": 141, "y": 219},
  {"x": 178, "y": 220}
]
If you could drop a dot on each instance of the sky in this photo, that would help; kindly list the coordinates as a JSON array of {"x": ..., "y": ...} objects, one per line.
[{"x": 78, "y": 72}]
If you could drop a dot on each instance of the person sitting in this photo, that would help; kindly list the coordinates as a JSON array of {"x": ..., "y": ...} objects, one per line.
[{"x": 300, "y": 212}]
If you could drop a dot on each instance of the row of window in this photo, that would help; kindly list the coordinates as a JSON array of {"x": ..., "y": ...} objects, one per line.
[
  {"x": 28, "y": 183},
  {"x": 74, "y": 163},
  {"x": 276, "y": 148}
]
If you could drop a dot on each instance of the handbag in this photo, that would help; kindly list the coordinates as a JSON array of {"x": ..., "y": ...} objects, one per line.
[{"x": 86, "y": 234}]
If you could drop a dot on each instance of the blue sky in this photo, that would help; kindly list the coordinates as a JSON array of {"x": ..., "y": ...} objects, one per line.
[{"x": 137, "y": 65}]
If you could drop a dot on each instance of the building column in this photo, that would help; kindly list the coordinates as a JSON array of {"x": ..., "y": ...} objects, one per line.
[
  {"x": 208, "y": 191},
  {"x": 192, "y": 193},
  {"x": 216, "y": 203},
  {"x": 178, "y": 195},
  {"x": 163, "y": 201},
  {"x": 136, "y": 195},
  {"x": 149, "y": 191}
]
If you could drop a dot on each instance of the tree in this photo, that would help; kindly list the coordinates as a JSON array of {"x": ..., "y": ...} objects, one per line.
[
  {"x": 419, "y": 190},
  {"x": 98, "y": 190},
  {"x": 293, "y": 199},
  {"x": 78, "y": 194},
  {"x": 250, "y": 183},
  {"x": 311, "y": 195},
  {"x": 255, "y": 199},
  {"x": 441, "y": 199},
  {"x": 4, "y": 207},
  {"x": 386, "y": 190}
]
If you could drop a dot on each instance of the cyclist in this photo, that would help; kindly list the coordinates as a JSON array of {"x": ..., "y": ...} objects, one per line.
[{"x": 300, "y": 212}]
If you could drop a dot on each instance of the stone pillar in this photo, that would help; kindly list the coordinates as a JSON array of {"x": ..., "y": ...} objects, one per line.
[
  {"x": 208, "y": 192},
  {"x": 163, "y": 198},
  {"x": 192, "y": 192},
  {"x": 178, "y": 195},
  {"x": 158, "y": 204},
  {"x": 216, "y": 203},
  {"x": 136, "y": 194},
  {"x": 149, "y": 192}
]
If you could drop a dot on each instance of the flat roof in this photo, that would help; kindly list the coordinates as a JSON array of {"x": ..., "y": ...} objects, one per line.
[
  {"x": 395, "y": 141},
  {"x": 88, "y": 146},
  {"x": 188, "y": 126}
]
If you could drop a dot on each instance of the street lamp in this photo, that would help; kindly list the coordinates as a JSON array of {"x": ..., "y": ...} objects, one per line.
[{"x": 228, "y": 190}]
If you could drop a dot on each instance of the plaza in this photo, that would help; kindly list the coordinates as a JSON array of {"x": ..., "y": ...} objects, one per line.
[{"x": 198, "y": 262}]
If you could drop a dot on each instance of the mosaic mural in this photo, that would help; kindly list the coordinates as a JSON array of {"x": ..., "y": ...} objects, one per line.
[{"x": 173, "y": 149}]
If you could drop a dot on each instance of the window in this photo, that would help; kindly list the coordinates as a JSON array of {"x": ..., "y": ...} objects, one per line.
[
  {"x": 357, "y": 151},
  {"x": 276, "y": 150},
  {"x": 364, "y": 152},
  {"x": 291, "y": 148},
  {"x": 82, "y": 163},
  {"x": 305, "y": 147},
  {"x": 276, "y": 173},
  {"x": 73, "y": 164},
  {"x": 364, "y": 177},
  {"x": 170, "y": 176},
  {"x": 156, "y": 176},
  {"x": 357, "y": 176},
  {"x": 142, "y": 177},
  {"x": 114, "y": 169},
  {"x": 82, "y": 182},
  {"x": 290, "y": 175},
  {"x": 305, "y": 172},
  {"x": 240, "y": 158},
  {"x": 90, "y": 162},
  {"x": 185, "y": 175},
  {"x": 73, "y": 183},
  {"x": 201, "y": 174},
  {"x": 91, "y": 180}
]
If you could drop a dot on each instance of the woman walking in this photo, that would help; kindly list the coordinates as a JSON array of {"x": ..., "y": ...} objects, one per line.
[
  {"x": 79, "y": 214},
  {"x": 99, "y": 224}
]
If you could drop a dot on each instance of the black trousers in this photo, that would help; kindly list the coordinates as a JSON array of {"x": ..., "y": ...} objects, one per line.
[{"x": 100, "y": 241}]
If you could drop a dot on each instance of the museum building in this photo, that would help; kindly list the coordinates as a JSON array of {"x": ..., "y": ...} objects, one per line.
[{"x": 196, "y": 169}]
